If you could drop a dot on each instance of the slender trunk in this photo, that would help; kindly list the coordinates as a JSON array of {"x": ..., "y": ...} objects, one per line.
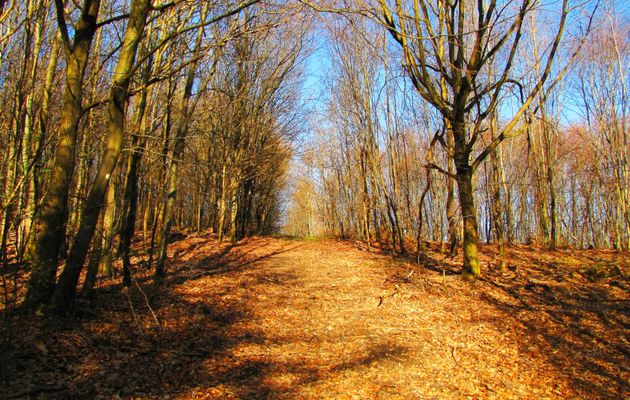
[
  {"x": 451, "y": 206},
  {"x": 507, "y": 204},
  {"x": 157, "y": 218},
  {"x": 130, "y": 201},
  {"x": 42, "y": 122},
  {"x": 109, "y": 219},
  {"x": 199, "y": 213},
  {"x": 550, "y": 177},
  {"x": 233, "y": 217},
  {"x": 146, "y": 217},
  {"x": 365, "y": 216},
  {"x": 91, "y": 274},
  {"x": 496, "y": 210},
  {"x": 81, "y": 179},
  {"x": 496, "y": 203},
  {"x": 222, "y": 204},
  {"x": 171, "y": 197},
  {"x": 130, "y": 189},
  {"x": 158, "y": 213}
]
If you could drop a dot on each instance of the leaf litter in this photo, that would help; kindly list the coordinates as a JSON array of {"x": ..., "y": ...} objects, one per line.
[{"x": 272, "y": 317}]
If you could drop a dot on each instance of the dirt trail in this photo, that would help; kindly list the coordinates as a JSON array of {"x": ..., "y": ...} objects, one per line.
[{"x": 278, "y": 318}]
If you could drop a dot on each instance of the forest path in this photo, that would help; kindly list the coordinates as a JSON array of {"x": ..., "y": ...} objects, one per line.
[
  {"x": 275, "y": 318},
  {"x": 328, "y": 320}
]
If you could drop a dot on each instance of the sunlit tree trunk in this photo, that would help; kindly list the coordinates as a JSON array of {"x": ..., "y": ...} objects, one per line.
[
  {"x": 464, "y": 176},
  {"x": 496, "y": 203},
  {"x": 451, "y": 205},
  {"x": 51, "y": 224},
  {"x": 222, "y": 204},
  {"x": 108, "y": 231},
  {"x": 66, "y": 288},
  {"x": 139, "y": 140}
]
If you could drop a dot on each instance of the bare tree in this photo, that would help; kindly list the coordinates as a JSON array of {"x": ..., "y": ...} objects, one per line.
[{"x": 472, "y": 33}]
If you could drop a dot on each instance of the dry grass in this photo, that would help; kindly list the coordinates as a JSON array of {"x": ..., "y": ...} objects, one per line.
[{"x": 279, "y": 318}]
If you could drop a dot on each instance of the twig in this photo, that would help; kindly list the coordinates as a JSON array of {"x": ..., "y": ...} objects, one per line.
[
  {"x": 453, "y": 355},
  {"x": 146, "y": 300},
  {"x": 194, "y": 353},
  {"x": 135, "y": 317},
  {"x": 444, "y": 279},
  {"x": 381, "y": 298}
]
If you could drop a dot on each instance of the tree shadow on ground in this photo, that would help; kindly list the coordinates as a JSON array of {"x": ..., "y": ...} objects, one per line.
[
  {"x": 427, "y": 260},
  {"x": 579, "y": 328},
  {"x": 575, "y": 320},
  {"x": 178, "y": 339}
]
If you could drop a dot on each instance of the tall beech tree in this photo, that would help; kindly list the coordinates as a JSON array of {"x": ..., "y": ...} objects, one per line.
[
  {"x": 51, "y": 223},
  {"x": 66, "y": 287}
]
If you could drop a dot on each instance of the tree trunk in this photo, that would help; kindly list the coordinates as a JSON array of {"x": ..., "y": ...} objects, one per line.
[
  {"x": 176, "y": 154},
  {"x": 464, "y": 176},
  {"x": 130, "y": 200},
  {"x": 66, "y": 288},
  {"x": 234, "y": 217},
  {"x": 199, "y": 213},
  {"x": 507, "y": 203},
  {"x": 451, "y": 207},
  {"x": 496, "y": 203},
  {"x": 365, "y": 206},
  {"x": 51, "y": 224},
  {"x": 109, "y": 222},
  {"x": 42, "y": 121},
  {"x": 496, "y": 210},
  {"x": 130, "y": 189},
  {"x": 471, "y": 268},
  {"x": 222, "y": 205},
  {"x": 87, "y": 290}
]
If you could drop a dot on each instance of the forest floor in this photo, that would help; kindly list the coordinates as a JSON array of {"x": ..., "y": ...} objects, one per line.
[{"x": 301, "y": 319}]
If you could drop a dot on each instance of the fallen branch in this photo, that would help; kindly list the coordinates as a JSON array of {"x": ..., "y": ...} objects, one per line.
[
  {"x": 453, "y": 355},
  {"x": 146, "y": 300},
  {"x": 394, "y": 293},
  {"x": 133, "y": 312}
]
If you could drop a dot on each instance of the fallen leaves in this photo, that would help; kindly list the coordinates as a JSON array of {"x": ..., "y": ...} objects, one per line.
[{"x": 274, "y": 318}]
